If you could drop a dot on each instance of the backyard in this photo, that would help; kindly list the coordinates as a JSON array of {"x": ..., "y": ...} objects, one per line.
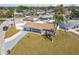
[{"x": 33, "y": 44}]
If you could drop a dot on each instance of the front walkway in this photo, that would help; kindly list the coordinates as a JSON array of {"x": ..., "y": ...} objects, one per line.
[{"x": 12, "y": 41}]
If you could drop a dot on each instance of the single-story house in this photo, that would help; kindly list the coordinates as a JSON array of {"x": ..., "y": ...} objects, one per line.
[
  {"x": 30, "y": 19},
  {"x": 18, "y": 14},
  {"x": 40, "y": 12},
  {"x": 50, "y": 12},
  {"x": 71, "y": 24},
  {"x": 38, "y": 27},
  {"x": 46, "y": 19}
]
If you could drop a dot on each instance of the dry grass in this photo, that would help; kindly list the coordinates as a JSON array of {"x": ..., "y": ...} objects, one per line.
[
  {"x": 64, "y": 43},
  {"x": 1, "y": 22},
  {"x": 10, "y": 32}
]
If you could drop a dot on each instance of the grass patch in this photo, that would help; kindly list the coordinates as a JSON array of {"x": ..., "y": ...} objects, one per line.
[
  {"x": 20, "y": 16},
  {"x": 33, "y": 44},
  {"x": 10, "y": 32},
  {"x": 1, "y": 21}
]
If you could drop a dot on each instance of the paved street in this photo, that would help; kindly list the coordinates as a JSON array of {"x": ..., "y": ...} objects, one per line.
[
  {"x": 2, "y": 34},
  {"x": 9, "y": 43}
]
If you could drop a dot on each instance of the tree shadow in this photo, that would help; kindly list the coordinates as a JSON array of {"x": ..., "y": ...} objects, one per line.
[{"x": 48, "y": 37}]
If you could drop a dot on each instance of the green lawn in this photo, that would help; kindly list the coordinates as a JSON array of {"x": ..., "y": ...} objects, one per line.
[
  {"x": 33, "y": 44},
  {"x": 10, "y": 32}
]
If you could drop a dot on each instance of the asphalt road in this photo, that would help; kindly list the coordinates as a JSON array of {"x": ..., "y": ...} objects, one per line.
[{"x": 2, "y": 34}]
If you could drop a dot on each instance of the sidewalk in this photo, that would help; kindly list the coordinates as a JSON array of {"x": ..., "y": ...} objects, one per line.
[{"x": 74, "y": 31}]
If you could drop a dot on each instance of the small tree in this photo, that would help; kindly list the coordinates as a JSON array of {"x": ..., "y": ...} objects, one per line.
[{"x": 59, "y": 18}]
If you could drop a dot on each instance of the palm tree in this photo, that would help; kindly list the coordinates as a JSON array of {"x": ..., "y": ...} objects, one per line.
[{"x": 59, "y": 18}]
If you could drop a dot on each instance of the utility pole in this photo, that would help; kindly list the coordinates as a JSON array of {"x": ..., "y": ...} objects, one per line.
[{"x": 14, "y": 19}]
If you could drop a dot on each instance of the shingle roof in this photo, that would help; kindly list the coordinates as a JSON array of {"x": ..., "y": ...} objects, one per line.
[{"x": 40, "y": 26}]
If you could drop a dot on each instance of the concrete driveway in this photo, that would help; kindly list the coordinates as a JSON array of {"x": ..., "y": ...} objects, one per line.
[{"x": 14, "y": 40}]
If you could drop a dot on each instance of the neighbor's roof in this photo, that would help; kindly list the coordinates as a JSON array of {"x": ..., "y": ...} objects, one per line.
[
  {"x": 40, "y": 22},
  {"x": 40, "y": 26},
  {"x": 30, "y": 18}
]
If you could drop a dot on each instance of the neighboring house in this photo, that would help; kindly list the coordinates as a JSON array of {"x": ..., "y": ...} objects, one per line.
[
  {"x": 71, "y": 24},
  {"x": 46, "y": 19},
  {"x": 18, "y": 14},
  {"x": 40, "y": 12},
  {"x": 38, "y": 27},
  {"x": 30, "y": 19},
  {"x": 48, "y": 12},
  {"x": 75, "y": 14},
  {"x": 28, "y": 12},
  {"x": 18, "y": 20}
]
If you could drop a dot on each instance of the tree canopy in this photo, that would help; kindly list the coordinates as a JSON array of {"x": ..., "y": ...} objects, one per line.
[
  {"x": 1, "y": 14},
  {"x": 9, "y": 13},
  {"x": 58, "y": 18}
]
